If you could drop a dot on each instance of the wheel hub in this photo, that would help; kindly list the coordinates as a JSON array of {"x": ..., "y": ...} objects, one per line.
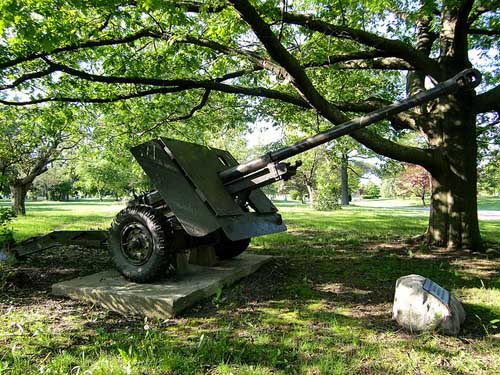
[{"x": 136, "y": 243}]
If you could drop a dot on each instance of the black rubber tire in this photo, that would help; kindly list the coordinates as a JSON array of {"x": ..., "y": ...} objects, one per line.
[
  {"x": 151, "y": 228},
  {"x": 227, "y": 249}
]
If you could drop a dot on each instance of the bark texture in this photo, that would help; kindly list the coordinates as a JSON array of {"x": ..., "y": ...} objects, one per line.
[
  {"x": 453, "y": 220},
  {"x": 18, "y": 191}
]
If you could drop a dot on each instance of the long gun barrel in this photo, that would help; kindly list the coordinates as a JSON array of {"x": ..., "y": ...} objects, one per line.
[{"x": 465, "y": 80}]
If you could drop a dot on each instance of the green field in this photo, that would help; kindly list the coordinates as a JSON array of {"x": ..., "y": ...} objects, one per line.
[
  {"x": 364, "y": 220},
  {"x": 323, "y": 306}
]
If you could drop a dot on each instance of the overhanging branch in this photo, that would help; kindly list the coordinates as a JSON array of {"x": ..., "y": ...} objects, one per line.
[
  {"x": 300, "y": 80},
  {"x": 388, "y": 63},
  {"x": 484, "y": 32},
  {"x": 396, "y": 47},
  {"x": 189, "y": 85},
  {"x": 488, "y": 101},
  {"x": 188, "y": 115},
  {"x": 74, "y": 47}
]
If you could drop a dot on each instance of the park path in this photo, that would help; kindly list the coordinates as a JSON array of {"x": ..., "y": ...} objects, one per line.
[{"x": 483, "y": 214}]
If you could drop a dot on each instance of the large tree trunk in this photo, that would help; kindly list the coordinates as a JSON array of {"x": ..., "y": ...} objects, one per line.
[
  {"x": 18, "y": 192},
  {"x": 453, "y": 220},
  {"x": 344, "y": 180}
]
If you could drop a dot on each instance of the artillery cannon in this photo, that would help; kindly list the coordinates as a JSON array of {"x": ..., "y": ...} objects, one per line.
[{"x": 204, "y": 197}]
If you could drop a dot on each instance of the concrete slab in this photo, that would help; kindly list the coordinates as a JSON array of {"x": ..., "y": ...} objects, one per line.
[{"x": 165, "y": 298}]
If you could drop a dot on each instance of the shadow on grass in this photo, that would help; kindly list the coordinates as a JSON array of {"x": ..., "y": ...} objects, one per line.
[{"x": 323, "y": 308}]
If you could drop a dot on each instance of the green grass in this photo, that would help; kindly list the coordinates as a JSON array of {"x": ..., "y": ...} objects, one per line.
[
  {"x": 488, "y": 203},
  {"x": 44, "y": 216},
  {"x": 322, "y": 307}
]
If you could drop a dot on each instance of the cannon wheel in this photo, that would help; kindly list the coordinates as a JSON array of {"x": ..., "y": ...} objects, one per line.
[
  {"x": 141, "y": 243},
  {"x": 227, "y": 249}
]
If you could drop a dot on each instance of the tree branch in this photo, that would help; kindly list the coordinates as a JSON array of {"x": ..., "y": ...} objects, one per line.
[
  {"x": 461, "y": 30},
  {"x": 484, "y": 32},
  {"x": 188, "y": 115},
  {"x": 29, "y": 77},
  {"x": 393, "y": 150},
  {"x": 189, "y": 85},
  {"x": 6, "y": 63},
  {"x": 403, "y": 120},
  {"x": 481, "y": 8},
  {"x": 378, "y": 64},
  {"x": 415, "y": 81},
  {"x": 374, "y": 59},
  {"x": 262, "y": 62},
  {"x": 488, "y": 101},
  {"x": 398, "y": 49},
  {"x": 196, "y": 7},
  {"x": 288, "y": 62},
  {"x": 300, "y": 80}
]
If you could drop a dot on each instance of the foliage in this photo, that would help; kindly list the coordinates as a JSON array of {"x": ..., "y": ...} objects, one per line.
[
  {"x": 327, "y": 198},
  {"x": 6, "y": 231},
  {"x": 328, "y": 188},
  {"x": 414, "y": 180},
  {"x": 103, "y": 177},
  {"x": 389, "y": 187},
  {"x": 370, "y": 191},
  {"x": 56, "y": 184},
  {"x": 405, "y": 180},
  {"x": 32, "y": 139},
  {"x": 489, "y": 174},
  {"x": 295, "y": 195}
]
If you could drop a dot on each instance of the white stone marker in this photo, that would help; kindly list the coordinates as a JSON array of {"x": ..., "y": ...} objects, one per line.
[{"x": 422, "y": 305}]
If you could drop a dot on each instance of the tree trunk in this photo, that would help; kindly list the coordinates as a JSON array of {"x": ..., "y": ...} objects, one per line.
[
  {"x": 18, "y": 192},
  {"x": 310, "y": 190},
  {"x": 344, "y": 180},
  {"x": 453, "y": 220}
]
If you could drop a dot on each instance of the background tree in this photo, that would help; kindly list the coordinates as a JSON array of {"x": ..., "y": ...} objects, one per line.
[
  {"x": 413, "y": 180},
  {"x": 489, "y": 154},
  {"x": 370, "y": 190},
  {"x": 103, "y": 177},
  {"x": 388, "y": 173},
  {"x": 349, "y": 155},
  {"x": 30, "y": 140},
  {"x": 55, "y": 184},
  {"x": 489, "y": 174},
  {"x": 188, "y": 50}
]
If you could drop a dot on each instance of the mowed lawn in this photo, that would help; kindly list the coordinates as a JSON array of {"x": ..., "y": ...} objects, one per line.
[{"x": 322, "y": 306}]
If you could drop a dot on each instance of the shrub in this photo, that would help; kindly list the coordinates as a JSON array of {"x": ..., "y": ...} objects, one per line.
[
  {"x": 295, "y": 195},
  {"x": 327, "y": 198},
  {"x": 6, "y": 232},
  {"x": 370, "y": 191}
]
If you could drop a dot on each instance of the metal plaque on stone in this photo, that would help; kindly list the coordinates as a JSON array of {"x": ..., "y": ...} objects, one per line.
[{"x": 437, "y": 291}]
